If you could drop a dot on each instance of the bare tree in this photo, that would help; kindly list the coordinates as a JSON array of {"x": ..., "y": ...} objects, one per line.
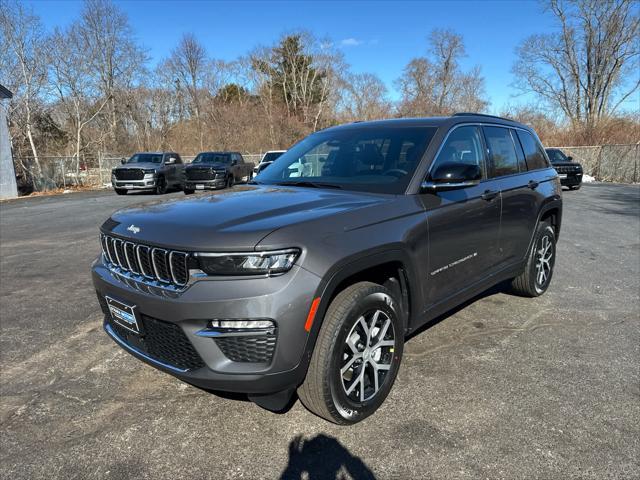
[
  {"x": 446, "y": 47},
  {"x": 188, "y": 63},
  {"x": 79, "y": 95},
  {"x": 436, "y": 85},
  {"x": 111, "y": 52},
  {"x": 589, "y": 67},
  {"x": 22, "y": 35},
  {"x": 365, "y": 97}
]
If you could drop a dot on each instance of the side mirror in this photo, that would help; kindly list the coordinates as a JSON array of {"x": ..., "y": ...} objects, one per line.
[
  {"x": 453, "y": 176},
  {"x": 170, "y": 161},
  {"x": 123, "y": 160},
  {"x": 570, "y": 158}
]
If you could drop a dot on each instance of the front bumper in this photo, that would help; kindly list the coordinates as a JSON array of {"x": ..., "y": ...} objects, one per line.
[
  {"x": 285, "y": 299},
  {"x": 134, "y": 184},
  {"x": 205, "y": 184},
  {"x": 571, "y": 180}
]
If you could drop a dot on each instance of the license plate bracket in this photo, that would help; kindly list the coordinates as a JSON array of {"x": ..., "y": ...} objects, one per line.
[
  {"x": 124, "y": 314},
  {"x": 563, "y": 175},
  {"x": 199, "y": 186}
]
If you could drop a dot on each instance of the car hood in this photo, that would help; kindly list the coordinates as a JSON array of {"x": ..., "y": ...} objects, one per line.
[
  {"x": 235, "y": 220},
  {"x": 144, "y": 165},
  {"x": 217, "y": 166}
]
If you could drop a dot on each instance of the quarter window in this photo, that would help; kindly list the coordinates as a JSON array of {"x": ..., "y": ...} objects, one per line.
[
  {"x": 503, "y": 151},
  {"x": 532, "y": 151},
  {"x": 463, "y": 145}
]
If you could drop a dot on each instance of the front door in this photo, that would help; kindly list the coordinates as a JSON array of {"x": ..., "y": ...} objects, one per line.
[{"x": 463, "y": 224}]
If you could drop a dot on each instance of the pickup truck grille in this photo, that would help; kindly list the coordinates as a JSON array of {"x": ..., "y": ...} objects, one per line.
[
  {"x": 129, "y": 173},
  {"x": 165, "y": 266},
  {"x": 202, "y": 173}
]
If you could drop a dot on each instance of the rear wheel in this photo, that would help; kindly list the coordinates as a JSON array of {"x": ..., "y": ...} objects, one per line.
[
  {"x": 538, "y": 271},
  {"x": 356, "y": 357},
  {"x": 120, "y": 191}
]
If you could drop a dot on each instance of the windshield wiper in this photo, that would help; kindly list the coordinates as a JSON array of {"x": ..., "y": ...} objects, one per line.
[{"x": 306, "y": 183}]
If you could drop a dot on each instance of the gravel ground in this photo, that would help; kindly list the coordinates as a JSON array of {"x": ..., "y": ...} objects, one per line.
[{"x": 505, "y": 387}]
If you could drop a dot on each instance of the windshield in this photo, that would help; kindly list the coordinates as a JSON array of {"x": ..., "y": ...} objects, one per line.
[
  {"x": 556, "y": 156},
  {"x": 374, "y": 159},
  {"x": 146, "y": 158},
  {"x": 271, "y": 156},
  {"x": 212, "y": 157}
]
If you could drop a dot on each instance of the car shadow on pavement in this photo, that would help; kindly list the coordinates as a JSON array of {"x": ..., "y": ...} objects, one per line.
[{"x": 323, "y": 457}]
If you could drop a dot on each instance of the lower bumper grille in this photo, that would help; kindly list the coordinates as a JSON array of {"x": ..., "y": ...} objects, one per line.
[
  {"x": 248, "y": 349},
  {"x": 162, "y": 341}
]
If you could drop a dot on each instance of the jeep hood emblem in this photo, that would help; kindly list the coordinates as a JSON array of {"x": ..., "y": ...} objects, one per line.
[{"x": 133, "y": 229}]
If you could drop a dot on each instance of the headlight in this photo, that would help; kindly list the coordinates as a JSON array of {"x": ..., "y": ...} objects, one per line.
[
  {"x": 250, "y": 263},
  {"x": 149, "y": 170}
]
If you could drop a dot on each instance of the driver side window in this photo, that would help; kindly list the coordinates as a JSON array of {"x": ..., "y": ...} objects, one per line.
[{"x": 463, "y": 146}]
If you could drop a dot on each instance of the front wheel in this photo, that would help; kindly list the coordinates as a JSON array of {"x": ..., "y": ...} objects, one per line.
[
  {"x": 121, "y": 191},
  {"x": 188, "y": 191},
  {"x": 230, "y": 181},
  {"x": 574, "y": 187},
  {"x": 161, "y": 186},
  {"x": 538, "y": 271},
  {"x": 356, "y": 357}
]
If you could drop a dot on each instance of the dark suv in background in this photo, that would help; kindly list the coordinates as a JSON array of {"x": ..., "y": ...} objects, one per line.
[
  {"x": 569, "y": 172},
  {"x": 213, "y": 170},
  {"x": 351, "y": 240},
  {"x": 150, "y": 171}
]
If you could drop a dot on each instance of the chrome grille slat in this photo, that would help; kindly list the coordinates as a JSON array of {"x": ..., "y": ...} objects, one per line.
[
  {"x": 144, "y": 263},
  {"x": 133, "y": 266},
  {"x": 160, "y": 265}
]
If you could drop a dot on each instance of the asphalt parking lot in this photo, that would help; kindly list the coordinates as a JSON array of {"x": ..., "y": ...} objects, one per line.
[{"x": 506, "y": 387}]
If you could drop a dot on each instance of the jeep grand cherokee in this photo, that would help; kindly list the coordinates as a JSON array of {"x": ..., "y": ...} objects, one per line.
[{"x": 310, "y": 280}]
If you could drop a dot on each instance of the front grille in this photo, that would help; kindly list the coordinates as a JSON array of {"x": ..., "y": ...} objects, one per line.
[
  {"x": 248, "y": 349},
  {"x": 568, "y": 169},
  {"x": 200, "y": 174},
  {"x": 166, "y": 266},
  {"x": 129, "y": 174},
  {"x": 162, "y": 341}
]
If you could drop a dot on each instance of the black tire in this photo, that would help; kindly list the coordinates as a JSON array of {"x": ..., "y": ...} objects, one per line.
[
  {"x": 575, "y": 187},
  {"x": 188, "y": 191},
  {"x": 120, "y": 191},
  {"x": 528, "y": 283},
  {"x": 161, "y": 186},
  {"x": 324, "y": 391},
  {"x": 230, "y": 181}
]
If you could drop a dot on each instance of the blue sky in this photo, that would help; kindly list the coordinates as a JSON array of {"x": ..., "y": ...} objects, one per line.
[{"x": 378, "y": 37}]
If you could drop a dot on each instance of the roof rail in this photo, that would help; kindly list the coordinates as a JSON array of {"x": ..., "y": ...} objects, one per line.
[{"x": 472, "y": 114}]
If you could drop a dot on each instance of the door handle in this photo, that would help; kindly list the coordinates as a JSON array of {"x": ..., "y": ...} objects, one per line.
[
  {"x": 533, "y": 184},
  {"x": 489, "y": 195}
]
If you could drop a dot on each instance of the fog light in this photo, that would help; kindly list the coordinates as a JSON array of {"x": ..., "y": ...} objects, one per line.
[{"x": 241, "y": 324}]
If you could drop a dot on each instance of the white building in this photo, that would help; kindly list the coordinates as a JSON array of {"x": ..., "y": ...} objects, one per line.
[{"x": 8, "y": 187}]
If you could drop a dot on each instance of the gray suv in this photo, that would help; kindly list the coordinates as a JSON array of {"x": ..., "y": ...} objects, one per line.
[
  {"x": 310, "y": 280},
  {"x": 148, "y": 171}
]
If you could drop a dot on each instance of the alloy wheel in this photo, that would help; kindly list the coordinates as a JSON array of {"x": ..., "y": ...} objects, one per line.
[
  {"x": 544, "y": 256},
  {"x": 367, "y": 356}
]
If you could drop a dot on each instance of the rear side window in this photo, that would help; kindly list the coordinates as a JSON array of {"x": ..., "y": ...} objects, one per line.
[
  {"x": 463, "y": 145},
  {"x": 532, "y": 151},
  {"x": 502, "y": 150}
]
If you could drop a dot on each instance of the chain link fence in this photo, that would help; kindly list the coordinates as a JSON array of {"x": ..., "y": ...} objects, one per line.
[
  {"x": 63, "y": 172},
  {"x": 608, "y": 163}
]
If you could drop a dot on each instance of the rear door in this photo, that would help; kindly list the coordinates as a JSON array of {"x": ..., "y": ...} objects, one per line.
[
  {"x": 508, "y": 168},
  {"x": 463, "y": 224}
]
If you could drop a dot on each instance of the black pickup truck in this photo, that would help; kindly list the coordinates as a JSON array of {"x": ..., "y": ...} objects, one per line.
[
  {"x": 213, "y": 170},
  {"x": 151, "y": 171}
]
